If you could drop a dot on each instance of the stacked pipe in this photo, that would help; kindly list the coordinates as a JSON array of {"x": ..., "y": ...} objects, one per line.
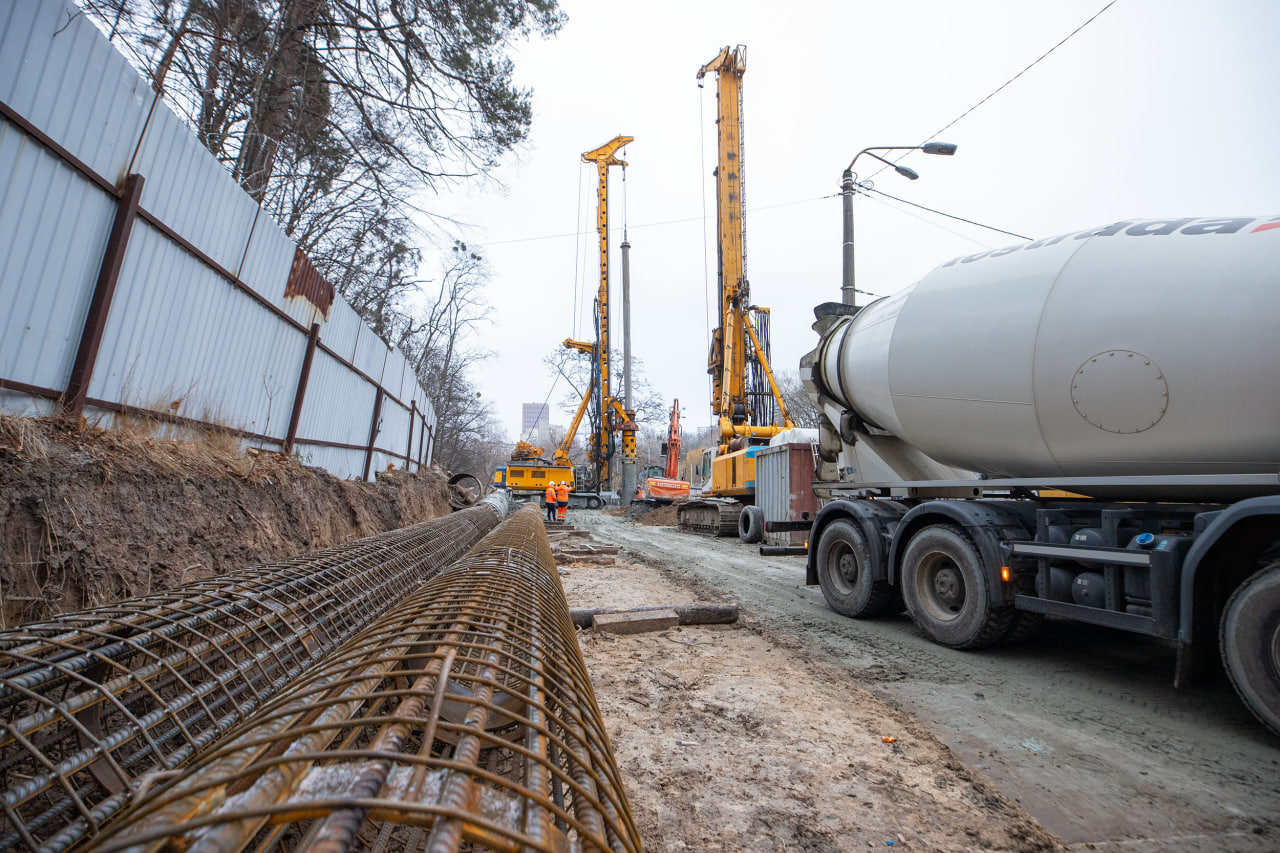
[
  {"x": 95, "y": 706},
  {"x": 463, "y": 719}
]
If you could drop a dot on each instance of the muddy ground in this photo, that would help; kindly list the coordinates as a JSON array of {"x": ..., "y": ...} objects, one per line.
[
  {"x": 1076, "y": 737},
  {"x": 734, "y": 738},
  {"x": 89, "y": 516}
]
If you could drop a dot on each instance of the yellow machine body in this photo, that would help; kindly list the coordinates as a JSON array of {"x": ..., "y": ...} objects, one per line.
[{"x": 531, "y": 478}]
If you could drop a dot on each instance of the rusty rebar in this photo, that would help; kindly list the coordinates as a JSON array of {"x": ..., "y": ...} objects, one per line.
[
  {"x": 463, "y": 719},
  {"x": 98, "y": 705}
]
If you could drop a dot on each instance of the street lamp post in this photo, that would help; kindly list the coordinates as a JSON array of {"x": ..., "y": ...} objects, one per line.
[{"x": 847, "y": 293}]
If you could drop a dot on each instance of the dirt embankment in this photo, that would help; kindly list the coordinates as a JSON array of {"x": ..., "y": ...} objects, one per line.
[{"x": 89, "y": 516}]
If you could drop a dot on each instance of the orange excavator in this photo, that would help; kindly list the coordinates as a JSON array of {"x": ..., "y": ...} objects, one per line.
[{"x": 668, "y": 487}]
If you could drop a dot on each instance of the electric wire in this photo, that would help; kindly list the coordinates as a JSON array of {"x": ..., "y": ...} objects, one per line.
[
  {"x": 1004, "y": 85},
  {"x": 920, "y": 218},
  {"x": 870, "y": 189}
]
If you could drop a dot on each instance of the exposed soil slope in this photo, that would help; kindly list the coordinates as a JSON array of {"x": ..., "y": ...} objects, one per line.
[{"x": 89, "y": 516}]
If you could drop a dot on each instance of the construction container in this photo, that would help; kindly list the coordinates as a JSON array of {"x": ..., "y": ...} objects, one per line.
[{"x": 784, "y": 489}]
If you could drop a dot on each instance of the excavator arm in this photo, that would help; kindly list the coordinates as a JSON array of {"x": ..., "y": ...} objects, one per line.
[{"x": 672, "y": 449}]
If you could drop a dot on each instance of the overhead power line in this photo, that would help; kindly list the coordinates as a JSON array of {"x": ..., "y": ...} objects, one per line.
[
  {"x": 868, "y": 189},
  {"x": 861, "y": 187},
  {"x": 1006, "y": 83}
]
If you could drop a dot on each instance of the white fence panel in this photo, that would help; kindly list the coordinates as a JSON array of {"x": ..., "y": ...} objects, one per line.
[
  {"x": 192, "y": 193},
  {"x": 342, "y": 328},
  {"x": 266, "y": 267},
  {"x": 53, "y": 228},
  {"x": 61, "y": 75},
  {"x": 179, "y": 338},
  {"x": 339, "y": 404}
]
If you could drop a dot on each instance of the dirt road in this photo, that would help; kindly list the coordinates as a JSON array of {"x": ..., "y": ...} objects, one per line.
[{"x": 1080, "y": 726}]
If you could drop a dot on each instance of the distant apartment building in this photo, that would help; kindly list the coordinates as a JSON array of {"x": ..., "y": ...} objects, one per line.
[{"x": 535, "y": 423}]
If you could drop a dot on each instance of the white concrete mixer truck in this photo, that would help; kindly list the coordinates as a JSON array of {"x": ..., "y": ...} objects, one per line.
[{"x": 1086, "y": 426}]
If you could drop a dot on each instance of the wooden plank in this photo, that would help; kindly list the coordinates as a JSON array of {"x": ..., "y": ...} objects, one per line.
[{"x": 689, "y": 614}]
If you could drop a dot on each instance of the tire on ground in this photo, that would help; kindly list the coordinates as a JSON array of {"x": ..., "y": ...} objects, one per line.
[
  {"x": 847, "y": 576},
  {"x": 1250, "y": 641},
  {"x": 751, "y": 525},
  {"x": 944, "y": 587}
]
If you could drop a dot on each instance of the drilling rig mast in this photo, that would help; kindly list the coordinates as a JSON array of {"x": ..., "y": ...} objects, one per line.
[
  {"x": 743, "y": 390},
  {"x": 608, "y": 413}
]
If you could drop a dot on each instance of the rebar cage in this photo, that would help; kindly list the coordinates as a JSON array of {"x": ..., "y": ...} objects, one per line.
[
  {"x": 464, "y": 719},
  {"x": 97, "y": 706}
]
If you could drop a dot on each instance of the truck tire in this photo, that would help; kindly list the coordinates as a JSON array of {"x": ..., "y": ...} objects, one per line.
[
  {"x": 1025, "y": 625},
  {"x": 751, "y": 525},
  {"x": 846, "y": 575},
  {"x": 1250, "y": 635},
  {"x": 945, "y": 589}
]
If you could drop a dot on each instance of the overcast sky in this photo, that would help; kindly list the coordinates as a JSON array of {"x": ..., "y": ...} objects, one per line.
[{"x": 1157, "y": 108}]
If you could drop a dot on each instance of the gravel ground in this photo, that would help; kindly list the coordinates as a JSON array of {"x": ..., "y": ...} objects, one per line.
[
  {"x": 719, "y": 752},
  {"x": 1080, "y": 726}
]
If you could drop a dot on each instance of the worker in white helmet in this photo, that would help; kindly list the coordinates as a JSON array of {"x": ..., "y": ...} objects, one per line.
[
  {"x": 550, "y": 496},
  {"x": 562, "y": 501}
]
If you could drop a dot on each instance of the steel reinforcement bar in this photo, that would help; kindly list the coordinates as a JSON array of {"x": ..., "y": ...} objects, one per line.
[
  {"x": 96, "y": 706},
  {"x": 463, "y": 719}
]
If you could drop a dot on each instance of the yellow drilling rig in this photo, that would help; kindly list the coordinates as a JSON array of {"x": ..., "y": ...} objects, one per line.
[
  {"x": 527, "y": 472},
  {"x": 745, "y": 397}
]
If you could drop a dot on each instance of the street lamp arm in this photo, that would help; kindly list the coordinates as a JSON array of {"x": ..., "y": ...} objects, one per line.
[
  {"x": 847, "y": 193},
  {"x": 877, "y": 156}
]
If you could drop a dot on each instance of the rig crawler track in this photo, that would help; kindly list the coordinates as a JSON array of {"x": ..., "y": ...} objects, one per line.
[
  {"x": 463, "y": 719},
  {"x": 709, "y": 517},
  {"x": 96, "y": 706}
]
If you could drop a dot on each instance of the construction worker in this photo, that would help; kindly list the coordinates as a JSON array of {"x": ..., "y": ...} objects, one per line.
[
  {"x": 562, "y": 501},
  {"x": 550, "y": 496}
]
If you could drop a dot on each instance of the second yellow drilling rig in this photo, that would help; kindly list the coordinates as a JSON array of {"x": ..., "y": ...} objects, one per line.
[{"x": 744, "y": 394}]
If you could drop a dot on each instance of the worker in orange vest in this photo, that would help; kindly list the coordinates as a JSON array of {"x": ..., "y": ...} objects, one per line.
[
  {"x": 562, "y": 500},
  {"x": 551, "y": 498}
]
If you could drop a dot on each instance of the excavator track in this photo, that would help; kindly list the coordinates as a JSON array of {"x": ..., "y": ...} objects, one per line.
[{"x": 709, "y": 517}]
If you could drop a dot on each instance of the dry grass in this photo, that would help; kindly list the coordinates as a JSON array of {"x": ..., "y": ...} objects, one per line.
[
  {"x": 139, "y": 442},
  {"x": 27, "y": 437}
]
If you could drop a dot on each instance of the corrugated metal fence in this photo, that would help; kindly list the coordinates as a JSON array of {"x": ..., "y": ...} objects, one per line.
[{"x": 137, "y": 279}]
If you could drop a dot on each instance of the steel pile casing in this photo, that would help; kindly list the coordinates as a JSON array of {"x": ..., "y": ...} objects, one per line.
[
  {"x": 99, "y": 704},
  {"x": 463, "y": 719}
]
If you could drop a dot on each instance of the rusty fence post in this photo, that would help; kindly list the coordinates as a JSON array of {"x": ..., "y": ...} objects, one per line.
[
  {"x": 303, "y": 378},
  {"x": 373, "y": 432},
  {"x": 95, "y": 323},
  {"x": 408, "y": 453},
  {"x": 421, "y": 435}
]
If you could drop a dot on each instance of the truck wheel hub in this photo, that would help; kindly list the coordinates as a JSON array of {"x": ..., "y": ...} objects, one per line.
[
  {"x": 848, "y": 567},
  {"x": 948, "y": 587}
]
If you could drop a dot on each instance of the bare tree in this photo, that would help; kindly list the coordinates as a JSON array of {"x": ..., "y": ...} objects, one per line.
[
  {"x": 365, "y": 85},
  {"x": 442, "y": 351},
  {"x": 804, "y": 411}
]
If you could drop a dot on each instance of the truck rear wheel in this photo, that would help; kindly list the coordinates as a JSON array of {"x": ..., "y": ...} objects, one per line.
[
  {"x": 1250, "y": 635},
  {"x": 846, "y": 575},
  {"x": 945, "y": 590}
]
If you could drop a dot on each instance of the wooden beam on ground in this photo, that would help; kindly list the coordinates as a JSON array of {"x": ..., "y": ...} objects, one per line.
[{"x": 688, "y": 614}]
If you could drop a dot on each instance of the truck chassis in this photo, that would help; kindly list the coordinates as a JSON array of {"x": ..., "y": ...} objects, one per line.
[{"x": 989, "y": 568}]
